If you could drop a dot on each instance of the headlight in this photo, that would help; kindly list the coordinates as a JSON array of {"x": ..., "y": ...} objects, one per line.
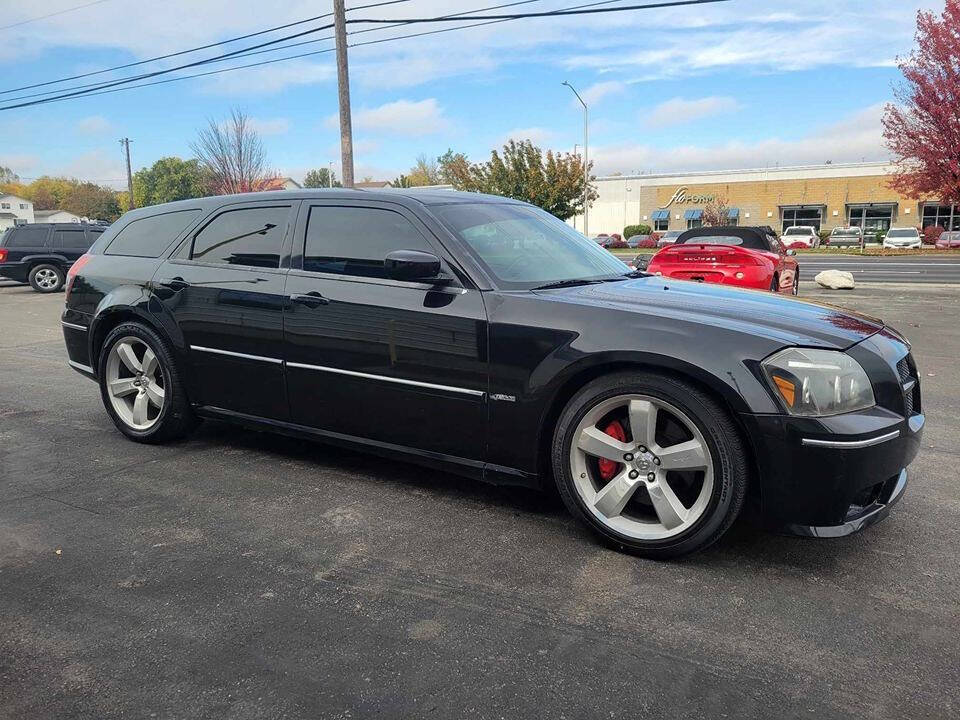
[{"x": 818, "y": 382}]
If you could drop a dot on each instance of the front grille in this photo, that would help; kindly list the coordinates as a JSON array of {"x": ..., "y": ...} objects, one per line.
[{"x": 909, "y": 381}]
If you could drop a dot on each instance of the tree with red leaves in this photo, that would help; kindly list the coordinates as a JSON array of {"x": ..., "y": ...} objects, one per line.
[{"x": 923, "y": 129}]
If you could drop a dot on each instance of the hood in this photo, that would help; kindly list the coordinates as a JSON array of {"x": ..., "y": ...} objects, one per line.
[{"x": 779, "y": 318}]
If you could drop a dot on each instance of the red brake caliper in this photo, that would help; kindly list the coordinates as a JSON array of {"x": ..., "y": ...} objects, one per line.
[{"x": 609, "y": 468}]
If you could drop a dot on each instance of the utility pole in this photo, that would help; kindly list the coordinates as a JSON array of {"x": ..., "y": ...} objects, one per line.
[
  {"x": 343, "y": 84},
  {"x": 586, "y": 171},
  {"x": 126, "y": 146}
]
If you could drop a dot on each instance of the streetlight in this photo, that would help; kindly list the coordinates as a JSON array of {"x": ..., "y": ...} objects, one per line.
[
  {"x": 586, "y": 172},
  {"x": 330, "y": 175}
]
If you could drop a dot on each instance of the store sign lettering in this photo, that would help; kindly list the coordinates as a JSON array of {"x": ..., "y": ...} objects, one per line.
[{"x": 681, "y": 196}]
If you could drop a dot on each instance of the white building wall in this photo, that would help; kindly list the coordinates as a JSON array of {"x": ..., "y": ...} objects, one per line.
[{"x": 18, "y": 206}]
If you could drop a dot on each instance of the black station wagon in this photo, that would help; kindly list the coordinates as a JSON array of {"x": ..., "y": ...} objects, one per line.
[{"x": 485, "y": 336}]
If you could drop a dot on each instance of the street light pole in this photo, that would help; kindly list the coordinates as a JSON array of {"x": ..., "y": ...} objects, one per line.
[{"x": 586, "y": 171}]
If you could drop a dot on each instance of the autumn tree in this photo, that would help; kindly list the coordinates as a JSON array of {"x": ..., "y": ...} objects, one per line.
[
  {"x": 170, "y": 179},
  {"x": 321, "y": 178},
  {"x": 716, "y": 212},
  {"x": 233, "y": 155},
  {"x": 521, "y": 170},
  {"x": 90, "y": 200},
  {"x": 923, "y": 129}
]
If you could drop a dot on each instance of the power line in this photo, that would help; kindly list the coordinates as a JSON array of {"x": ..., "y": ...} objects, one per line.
[
  {"x": 103, "y": 89},
  {"x": 103, "y": 84},
  {"x": 53, "y": 14},
  {"x": 182, "y": 52}
]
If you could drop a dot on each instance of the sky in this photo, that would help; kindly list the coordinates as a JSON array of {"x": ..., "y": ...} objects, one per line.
[{"x": 736, "y": 84}]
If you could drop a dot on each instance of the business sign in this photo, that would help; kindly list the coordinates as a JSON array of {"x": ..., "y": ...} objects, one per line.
[{"x": 681, "y": 196}]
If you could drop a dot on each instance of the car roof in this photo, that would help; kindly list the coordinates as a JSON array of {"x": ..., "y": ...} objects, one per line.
[
  {"x": 755, "y": 233},
  {"x": 406, "y": 196}
]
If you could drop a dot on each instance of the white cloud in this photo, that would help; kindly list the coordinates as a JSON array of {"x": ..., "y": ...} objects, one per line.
[
  {"x": 598, "y": 91},
  {"x": 538, "y": 135},
  {"x": 856, "y": 137},
  {"x": 402, "y": 117},
  {"x": 93, "y": 125},
  {"x": 679, "y": 110},
  {"x": 270, "y": 126}
]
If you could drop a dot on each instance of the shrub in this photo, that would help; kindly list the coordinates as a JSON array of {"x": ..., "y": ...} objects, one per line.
[
  {"x": 797, "y": 245},
  {"x": 649, "y": 242},
  {"x": 824, "y": 236},
  {"x": 656, "y": 236},
  {"x": 630, "y": 230},
  {"x": 931, "y": 234},
  {"x": 878, "y": 237}
]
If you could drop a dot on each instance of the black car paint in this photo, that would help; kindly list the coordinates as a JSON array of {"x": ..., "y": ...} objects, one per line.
[
  {"x": 48, "y": 251},
  {"x": 515, "y": 356}
]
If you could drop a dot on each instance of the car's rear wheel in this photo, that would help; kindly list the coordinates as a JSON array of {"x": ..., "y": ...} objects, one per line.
[
  {"x": 796, "y": 283},
  {"x": 775, "y": 284},
  {"x": 141, "y": 386},
  {"x": 46, "y": 278},
  {"x": 651, "y": 463}
]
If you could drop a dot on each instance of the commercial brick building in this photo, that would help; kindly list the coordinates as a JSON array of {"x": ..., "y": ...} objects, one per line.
[{"x": 824, "y": 196}]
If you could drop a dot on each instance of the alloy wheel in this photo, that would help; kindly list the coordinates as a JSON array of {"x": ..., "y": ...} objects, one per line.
[
  {"x": 135, "y": 383},
  {"x": 46, "y": 278},
  {"x": 664, "y": 478}
]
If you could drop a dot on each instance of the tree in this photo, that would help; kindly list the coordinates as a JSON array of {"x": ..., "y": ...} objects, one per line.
[
  {"x": 551, "y": 181},
  {"x": 93, "y": 201},
  {"x": 401, "y": 181},
  {"x": 716, "y": 212},
  {"x": 169, "y": 179},
  {"x": 923, "y": 131},
  {"x": 425, "y": 172},
  {"x": 454, "y": 169},
  {"x": 8, "y": 176},
  {"x": 321, "y": 179},
  {"x": 48, "y": 193},
  {"x": 233, "y": 155}
]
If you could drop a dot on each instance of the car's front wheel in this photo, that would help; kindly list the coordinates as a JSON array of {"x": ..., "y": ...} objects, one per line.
[
  {"x": 796, "y": 283},
  {"x": 140, "y": 386},
  {"x": 46, "y": 278},
  {"x": 651, "y": 463}
]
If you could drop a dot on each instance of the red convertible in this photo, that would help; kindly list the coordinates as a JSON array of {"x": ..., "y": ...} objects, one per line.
[{"x": 750, "y": 257}]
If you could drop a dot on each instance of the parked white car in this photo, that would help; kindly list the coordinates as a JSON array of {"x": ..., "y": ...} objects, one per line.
[
  {"x": 902, "y": 238},
  {"x": 801, "y": 233}
]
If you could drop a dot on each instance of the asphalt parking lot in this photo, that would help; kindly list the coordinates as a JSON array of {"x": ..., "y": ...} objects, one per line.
[{"x": 243, "y": 575}]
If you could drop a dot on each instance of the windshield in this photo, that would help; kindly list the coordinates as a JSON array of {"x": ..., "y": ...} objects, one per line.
[
  {"x": 799, "y": 231},
  {"x": 524, "y": 247},
  {"x": 906, "y": 232}
]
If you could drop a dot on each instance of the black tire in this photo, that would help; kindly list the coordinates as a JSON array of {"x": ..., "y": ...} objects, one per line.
[
  {"x": 775, "y": 284},
  {"x": 41, "y": 277},
  {"x": 718, "y": 429},
  {"x": 796, "y": 283},
  {"x": 176, "y": 419}
]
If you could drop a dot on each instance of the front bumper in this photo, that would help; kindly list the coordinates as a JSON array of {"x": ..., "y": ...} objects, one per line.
[{"x": 847, "y": 478}]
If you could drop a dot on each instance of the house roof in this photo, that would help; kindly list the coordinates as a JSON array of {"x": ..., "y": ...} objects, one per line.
[
  {"x": 4, "y": 196},
  {"x": 6, "y": 215},
  {"x": 48, "y": 213},
  {"x": 279, "y": 183},
  {"x": 373, "y": 184}
]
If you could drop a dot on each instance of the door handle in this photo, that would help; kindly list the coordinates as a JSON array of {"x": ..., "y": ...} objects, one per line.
[
  {"x": 177, "y": 283},
  {"x": 311, "y": 299}
]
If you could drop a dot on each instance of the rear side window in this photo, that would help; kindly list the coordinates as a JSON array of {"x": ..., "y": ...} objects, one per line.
[
  {"x": 35, "y": 236},
  {"x": 150, "y": 236},
  {"x": 248, "y": 236},
  {"x": 356, "y": 240},
  {"x": 71, "y": 239}
]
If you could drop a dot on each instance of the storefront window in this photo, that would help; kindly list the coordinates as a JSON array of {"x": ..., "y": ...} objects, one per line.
[
  {"x": 940, "y": 215},
  {"x": 871, "y": 218},
  {"x": 810, "y": 216},
  {"x": 694, "y": 223}
]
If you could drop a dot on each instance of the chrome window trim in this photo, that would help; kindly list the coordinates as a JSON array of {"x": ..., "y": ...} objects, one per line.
[
  {"x": 230, "y": 353},
  {"x": 852, "y": 444},
  {"x": 71, "y": 325},
  {"x": 384, "y": 378}
]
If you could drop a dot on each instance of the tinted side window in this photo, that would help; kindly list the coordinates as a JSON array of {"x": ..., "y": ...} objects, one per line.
[
  {"x": 71, "y": 239},
  {"x": 35, "y": 236},
  {"x": 150, "y": 236},
  {"x": 355, "y": 240},
  {"x": 249, "y": 236}
]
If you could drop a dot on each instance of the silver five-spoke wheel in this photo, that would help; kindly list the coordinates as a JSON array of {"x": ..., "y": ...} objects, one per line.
[
  {"x": 135, "y": 383},
  {"x": 46, "y": 279},
  {"x": 641, "y": 467}
]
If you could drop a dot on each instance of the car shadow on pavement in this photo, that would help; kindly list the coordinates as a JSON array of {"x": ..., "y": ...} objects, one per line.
[{"x": 746, "y": 543}]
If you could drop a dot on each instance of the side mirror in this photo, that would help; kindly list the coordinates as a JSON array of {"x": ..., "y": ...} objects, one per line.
[
  {"x": 412, "y": 265},
  {"x": 791, "y": 252}
]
